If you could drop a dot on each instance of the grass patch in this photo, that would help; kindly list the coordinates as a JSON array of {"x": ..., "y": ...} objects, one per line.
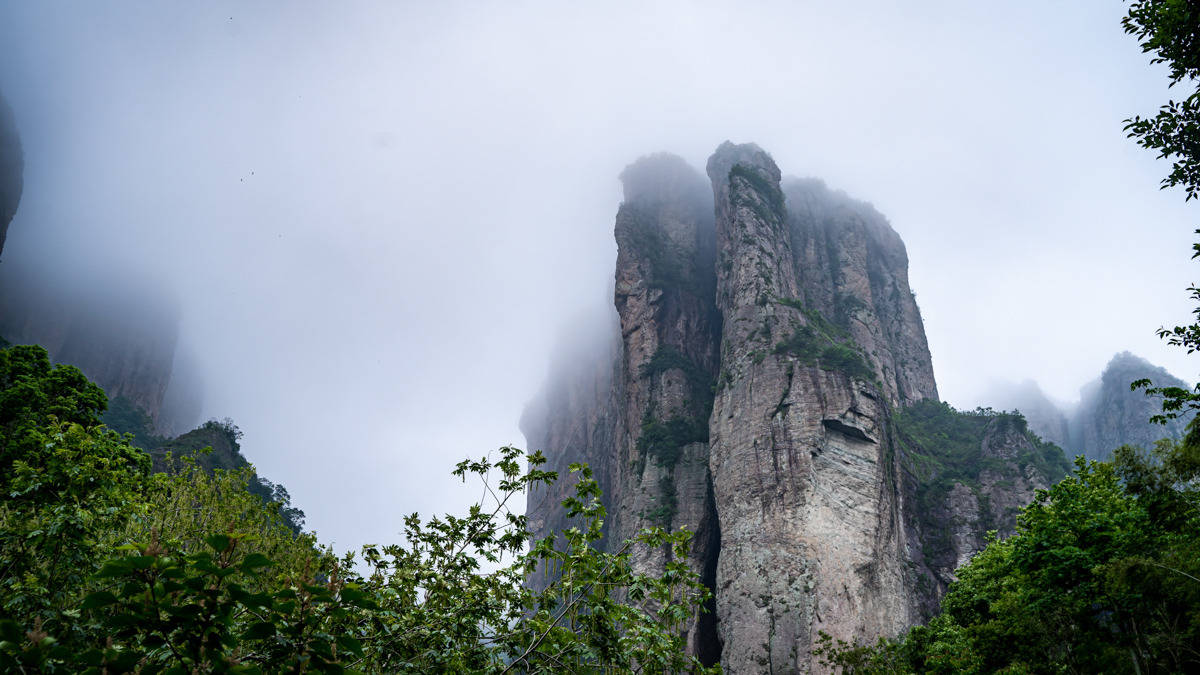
[{"x": 824, "y": 344}]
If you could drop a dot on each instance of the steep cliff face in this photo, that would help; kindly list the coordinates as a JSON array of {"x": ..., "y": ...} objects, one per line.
[
  {"x": 765, "y": 337},
  {"x": 123, "y": 335},
  {"x": 669, "y": 328},
  {"x": 852, "y": 267},
  {"x": 12, "y": 167},
  {"x": 802, "y": 463},
  {"x": 1110, "y": 415}
]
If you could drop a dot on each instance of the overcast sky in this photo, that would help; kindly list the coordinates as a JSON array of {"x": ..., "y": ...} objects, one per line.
[{"x": 378, "y": 216}]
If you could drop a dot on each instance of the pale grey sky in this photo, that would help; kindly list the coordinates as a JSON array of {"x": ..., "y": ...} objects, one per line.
[{"x": 378, "y": 216}]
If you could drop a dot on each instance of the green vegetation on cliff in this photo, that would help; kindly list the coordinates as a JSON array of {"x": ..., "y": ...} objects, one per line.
[
  {"x": 946, "y": 445},
  {"x": 767, "y": 189},
  {"x": 664, "y": 441},
  {"x": 824, "y": 344},
  {"x": 125, "y": 417}
]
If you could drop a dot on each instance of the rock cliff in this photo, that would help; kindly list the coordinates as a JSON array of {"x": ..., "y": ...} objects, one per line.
[
  {"x": 12, "y": 166},
  {"x": 748, "y": 389}
]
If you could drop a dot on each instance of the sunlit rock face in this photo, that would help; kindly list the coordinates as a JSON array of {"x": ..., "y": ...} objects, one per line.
[
  {"x": 12, "y": 165},
  {"x": 745, "y": 388}
]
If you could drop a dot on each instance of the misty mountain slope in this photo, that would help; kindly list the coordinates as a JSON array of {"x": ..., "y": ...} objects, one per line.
[
  {"x": 1111, "y": 415},
  {"x": 122, "y": 331},
  {"x": 768, "y": 386},
  {"x": 12, "y": 166},
  {"x": 1045, "y": 417},
  {"x": 1108, "y": 414},
  {"x": 115, "y": 325}
]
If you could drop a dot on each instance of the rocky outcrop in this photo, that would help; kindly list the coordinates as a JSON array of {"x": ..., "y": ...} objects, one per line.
[
  {"x": 967, "y": 473},
  {"x": 803, "y": 473},
  {"x": 765, "y": 336},
  {"x": 12, "y": 167}
]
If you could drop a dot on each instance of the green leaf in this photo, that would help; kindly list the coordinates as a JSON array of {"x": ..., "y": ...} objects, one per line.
[
  {"x": 218, "y": 542},
  {"x": 350, "y": 644},
  {"x": 255, "y": 561},
  {"x": 259, "y": 631},
  {"x": 114, "y": 568},
  {"x": 98, "y": 599}
]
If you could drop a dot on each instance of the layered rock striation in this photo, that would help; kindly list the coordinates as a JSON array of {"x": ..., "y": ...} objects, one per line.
[{"x": 765, "y": 337}]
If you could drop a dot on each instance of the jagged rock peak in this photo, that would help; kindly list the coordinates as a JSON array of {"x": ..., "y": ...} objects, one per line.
[{"x": 12, "y": 165}]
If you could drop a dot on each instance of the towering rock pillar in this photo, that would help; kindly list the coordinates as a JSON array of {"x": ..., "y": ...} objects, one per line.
[
  {"x": 763, "y": 336},
  {"x": 669, "y": 338},
  {"x": 804, "y": 474},
  {"x": 12, "y": 166}
]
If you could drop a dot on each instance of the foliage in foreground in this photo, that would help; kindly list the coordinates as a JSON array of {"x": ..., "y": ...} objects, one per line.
[{"x": 107, "y": 568}]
